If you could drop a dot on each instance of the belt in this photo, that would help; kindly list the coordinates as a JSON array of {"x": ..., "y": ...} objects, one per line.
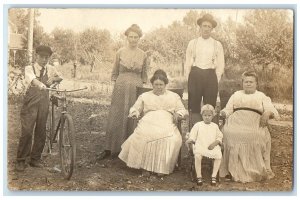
[
  {"x": 195, "y": 67},
  {"x": 250, "y": 109}
]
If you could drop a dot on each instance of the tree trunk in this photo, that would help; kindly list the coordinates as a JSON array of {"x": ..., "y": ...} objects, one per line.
[{"x": 30, "y": 35}]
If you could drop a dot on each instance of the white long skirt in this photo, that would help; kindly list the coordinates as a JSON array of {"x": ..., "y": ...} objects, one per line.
[
  {"x": 154, "y": 145},
  {"x": 247, "y": 148}
]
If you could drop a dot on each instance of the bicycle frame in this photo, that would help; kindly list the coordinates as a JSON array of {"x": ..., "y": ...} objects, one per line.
[
  {"x": 54, "y": 102},
  {"x": 66, "y": 132}
]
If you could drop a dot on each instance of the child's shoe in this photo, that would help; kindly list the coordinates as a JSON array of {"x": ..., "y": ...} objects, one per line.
[
  {"x": 213, "y": 181},
  {"x": 199, "y": 181}
]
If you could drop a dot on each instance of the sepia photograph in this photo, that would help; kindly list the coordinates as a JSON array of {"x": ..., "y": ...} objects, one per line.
[{"x": 150, "y": 99}]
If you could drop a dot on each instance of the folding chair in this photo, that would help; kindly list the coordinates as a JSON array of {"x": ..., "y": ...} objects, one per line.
[{"x": 132, "y": 123}]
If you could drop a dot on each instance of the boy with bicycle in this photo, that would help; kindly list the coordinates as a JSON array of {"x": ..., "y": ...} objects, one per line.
[{"x": 35, "y": 108}]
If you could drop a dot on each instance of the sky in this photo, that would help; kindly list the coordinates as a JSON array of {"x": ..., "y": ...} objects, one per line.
[{"x": 118, "y": 20}]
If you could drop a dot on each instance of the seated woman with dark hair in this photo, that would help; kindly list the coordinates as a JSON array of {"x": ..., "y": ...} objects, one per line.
[
  {"x": 155, "y": 143},
  {"x": 247, "y": 140}
]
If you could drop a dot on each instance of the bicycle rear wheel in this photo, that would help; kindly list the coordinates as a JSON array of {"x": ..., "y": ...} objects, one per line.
[{"x": 67, "y": 146}]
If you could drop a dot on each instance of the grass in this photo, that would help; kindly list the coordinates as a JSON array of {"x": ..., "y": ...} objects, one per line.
[
  {"x": 101, "y": 72},
  {"x": 99, "y": 83},
  {"x": 280, "y": 88}
]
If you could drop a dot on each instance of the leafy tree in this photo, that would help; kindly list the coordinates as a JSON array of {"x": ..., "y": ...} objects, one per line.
[
  {"x": 95, "y": 44},
  {"x": 268, "y": 36},
  {"x": 63, "y": 42},
  {"x": 19, "y": 17},
  {"x": 265, "y": 41}
]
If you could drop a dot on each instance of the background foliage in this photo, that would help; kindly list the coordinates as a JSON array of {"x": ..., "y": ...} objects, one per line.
[{"x": 263, "y": 41}]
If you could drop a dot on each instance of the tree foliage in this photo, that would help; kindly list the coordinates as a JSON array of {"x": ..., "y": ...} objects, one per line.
[
  {"x": 265, "y": 40},
  {"x": 20, "y": 19},
  {"x": 262, "y": 41},
  {"x": 268, "y": 36},
  {"x": 95, "y": 44},
  {"x": 63, "y": 44}
]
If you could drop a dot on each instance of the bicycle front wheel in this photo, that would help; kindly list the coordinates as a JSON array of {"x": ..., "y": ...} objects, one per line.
[
  {"x": 48, "y": 143},
  {"x": 67, "y": 146}
]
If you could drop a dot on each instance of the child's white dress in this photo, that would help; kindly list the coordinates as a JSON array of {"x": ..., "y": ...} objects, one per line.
[{"x": 203, "y": 135}]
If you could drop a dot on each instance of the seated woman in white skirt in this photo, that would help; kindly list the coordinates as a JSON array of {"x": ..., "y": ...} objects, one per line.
[
  {"x": 247, "y": 140},
  {"x": 155, "y": 143}
]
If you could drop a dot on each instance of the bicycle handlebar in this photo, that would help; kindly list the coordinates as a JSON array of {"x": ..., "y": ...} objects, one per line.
[{"x": 56, "y": 90}]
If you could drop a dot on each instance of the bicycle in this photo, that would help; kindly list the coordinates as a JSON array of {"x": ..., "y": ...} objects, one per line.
[{"x": 64, "y": 130}]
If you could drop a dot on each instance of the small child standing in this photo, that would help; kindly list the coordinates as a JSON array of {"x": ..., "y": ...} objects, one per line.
[{"x": 206, "y": 137}]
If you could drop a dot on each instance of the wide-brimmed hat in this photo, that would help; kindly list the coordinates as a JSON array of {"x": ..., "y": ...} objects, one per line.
[
  {"x": 208, "y": 18},
  {"x": 43, "y": 49}
]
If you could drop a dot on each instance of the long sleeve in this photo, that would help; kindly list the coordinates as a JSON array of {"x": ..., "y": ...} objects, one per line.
[
  {"x": 229, "y": 106},
  {"x": 219, "y": 135},
  {"x": 145, "y": 68},
  {"x": 29, "y": 74},
  {"x": 220, "y": 63},
  {"x": 188, "y": 59},
  {"x": 180, "y": 109},
  {"x": 138, "y": 106},
  {"x": 194, "y": 133},
  {"x": 268, "y": 106},
  {"x": 116, "y": 67}
]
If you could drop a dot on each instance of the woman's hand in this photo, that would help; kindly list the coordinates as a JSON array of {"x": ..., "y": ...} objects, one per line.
[
  {"x": 188, "y": 141},
  {"x": 222, "y": 114},
  {"x": 176, "y": 117},
  {"x": 189, "y": 144},
  {"x": 264, "y": 119},
  {"x": 212, "y": 145},
  {"x": 134, "y": 114}
]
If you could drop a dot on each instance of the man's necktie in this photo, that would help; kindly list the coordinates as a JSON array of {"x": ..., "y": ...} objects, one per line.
[{"x": 42, "y": 72}]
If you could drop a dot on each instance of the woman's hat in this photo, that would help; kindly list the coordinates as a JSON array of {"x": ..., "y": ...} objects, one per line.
[{"x": 208, "y": 18}]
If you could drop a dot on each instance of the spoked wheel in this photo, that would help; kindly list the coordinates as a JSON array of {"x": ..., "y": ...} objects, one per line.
[
  {"x": 67, "y": 147},
  {"x": 48, "y": 142}
]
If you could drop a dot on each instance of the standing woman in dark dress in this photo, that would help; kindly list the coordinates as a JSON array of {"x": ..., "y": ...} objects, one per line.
[{"x": 129, "y": 71}]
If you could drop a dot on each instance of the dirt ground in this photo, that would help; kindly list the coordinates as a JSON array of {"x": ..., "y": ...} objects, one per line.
[{"x": 113, "y": 175}]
